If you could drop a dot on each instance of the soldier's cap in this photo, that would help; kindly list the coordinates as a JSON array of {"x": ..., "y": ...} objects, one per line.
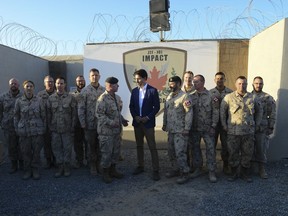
[
  {"x": 175, "y": 79},
  {"x": 111, "y": 80}
]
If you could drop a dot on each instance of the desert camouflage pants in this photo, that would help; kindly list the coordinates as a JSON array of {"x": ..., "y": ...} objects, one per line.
[
  {"x": 91, "y": 137},
  {"x": 177, "y": 151},
  {"x": 14, "y": 149},
  {"x": 261, "y": 145},
  {"x": 219, "y": 132},
  {"x": 210, "y": 150},
  {"x": 62, "y": 146},
  {"x": 31, "y": 148},
  {"x": 110, "y": 149},
  {"x": 241, "y": 148}
]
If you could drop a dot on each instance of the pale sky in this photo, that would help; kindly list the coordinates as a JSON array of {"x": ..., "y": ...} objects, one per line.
[{"x": 68, "y": 24}]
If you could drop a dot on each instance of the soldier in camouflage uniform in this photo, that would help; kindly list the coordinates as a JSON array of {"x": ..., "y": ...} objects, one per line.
[
  {"x": 44, "y": 95},
  {"x": 189, "y": 88},
  {"x": 187, "y": 82},
  {"x": 177, "y": 121},
  {"x": 80, "y": 145},
  {"x": 240, "y": 114},
  {"x": 61, "y": 111},
  {"x": 219, "y": 92},
  {"x": 266, "y": 126},
  {"x": 7, "y": 103},
  {"x": 88, "y": 120},
  {"x": 206, "y": 117},
  {"x": 30, "y": 125},
  {"x": 109, "y": 127}
]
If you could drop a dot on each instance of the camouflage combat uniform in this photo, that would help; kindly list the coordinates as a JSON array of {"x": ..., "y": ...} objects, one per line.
[
  {"x": 7, "y": 104},
  {"x": 219, "y": 129},
  {"x": 30, "y": 125},
  {"x": 267, "y": 123},
  {"x": 206, "y": 117},
  {"x": 178, "y": 116},
  {"x": 79, "y": 137},
  {"x": 48, "y": 153},
  {"x": 61, "y": 115},
  {"x": 108, "y": 113},
  {"x": 88, "y": 121},
  {"x": 240, "y": 116}
]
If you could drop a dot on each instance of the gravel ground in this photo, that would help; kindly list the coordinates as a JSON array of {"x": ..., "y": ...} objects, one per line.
[{"x": 83, "y": 194}]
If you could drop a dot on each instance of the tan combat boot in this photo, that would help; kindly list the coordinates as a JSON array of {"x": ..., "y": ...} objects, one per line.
[
  {"x": 114, "y": 173},
  {"x": 14, "y": 167},
  {"x": 184, "y": 177},
  {"x": 106, "y": 175},
  {"x": 212, "y": 177},
  {"x": 262, "y": 171},
  {"x": 60, "y": 171},
  {"x": 67, "y": 171}
]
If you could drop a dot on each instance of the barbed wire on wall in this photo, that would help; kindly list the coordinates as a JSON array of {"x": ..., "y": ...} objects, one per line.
[{"x": 211, "y": 23}]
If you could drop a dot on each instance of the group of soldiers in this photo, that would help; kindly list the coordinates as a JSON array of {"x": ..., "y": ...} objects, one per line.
[
  {"x": 90, "y": 120},
  {"x": 243, "y": 121},
  {"x": 58, "y": 121}
]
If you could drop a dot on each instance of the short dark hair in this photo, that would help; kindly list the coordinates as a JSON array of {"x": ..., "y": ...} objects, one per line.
[
  {"x": 61, "y": 78},
  {"x": 257, "y": 77},
  {"x": 220, "y": 73},
  {"x": 80, "y": 76},
  {"x": 94, "y": 70},
  {"x": 141, "y": 72},
  {"x": 201, "y": 77},
  {"x": 241, "y": 77}
]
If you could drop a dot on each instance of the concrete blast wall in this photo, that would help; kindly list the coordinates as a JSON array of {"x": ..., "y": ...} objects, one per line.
[{"x": 268, "y": 54}]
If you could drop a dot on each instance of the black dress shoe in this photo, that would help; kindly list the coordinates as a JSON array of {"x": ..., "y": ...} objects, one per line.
[{"x": 138, "y": 170}]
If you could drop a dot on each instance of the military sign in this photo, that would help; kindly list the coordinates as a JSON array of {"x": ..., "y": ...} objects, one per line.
[{"x": 160, "y": 64}]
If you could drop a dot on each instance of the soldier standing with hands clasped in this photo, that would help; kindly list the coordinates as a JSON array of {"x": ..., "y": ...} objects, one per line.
[
  {"x": 219, "y": 92},
  {"x": 241, "y": 115},
  {"x": 30, "y": 125},
  {"x": 110, "y": 121},
  {"x": 61, "y": 109}
]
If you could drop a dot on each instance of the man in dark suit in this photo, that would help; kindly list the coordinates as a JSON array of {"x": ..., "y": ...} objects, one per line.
[{"x": 144, "y": 105}]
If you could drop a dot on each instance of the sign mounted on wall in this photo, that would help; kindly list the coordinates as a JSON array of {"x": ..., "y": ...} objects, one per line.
[{"x": 161, "y": 63}]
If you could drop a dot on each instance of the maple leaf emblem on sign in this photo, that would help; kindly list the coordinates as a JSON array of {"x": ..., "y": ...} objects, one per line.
[{"x": 156, "y": 79}]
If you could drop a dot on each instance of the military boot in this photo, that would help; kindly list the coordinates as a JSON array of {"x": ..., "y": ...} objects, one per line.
[
  {"x": 114, "y": 173},
  {"x": 245, "y": 175},
  {"x": 67, "y": 171},
  {"x": 234, "y": 174},
  {"x": 21, "y": 165},
  {"x": 60, "y": 171},
  {"x": 36, "y": 173},
  {"x": 48, "y": 164},
  {"x": 14, "y": 167},
  {"x": 184, "y": 177},
  {"x": 99, "y": 167},
  {"x": 212, "y": 177},
  {"x": 27, "y": 173},
  {"x": 106, "y": 175},
  {"x": 226, "y": 169},
  {"x": 262, "y": 171},
  {"x": 93, "y": 168}
]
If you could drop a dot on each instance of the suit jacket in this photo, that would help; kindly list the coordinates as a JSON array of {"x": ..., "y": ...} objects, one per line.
[{"x": 150, "y": 106}]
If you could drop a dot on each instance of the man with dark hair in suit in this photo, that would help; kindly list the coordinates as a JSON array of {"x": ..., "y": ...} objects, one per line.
[{"x": 144, "y": 105}]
